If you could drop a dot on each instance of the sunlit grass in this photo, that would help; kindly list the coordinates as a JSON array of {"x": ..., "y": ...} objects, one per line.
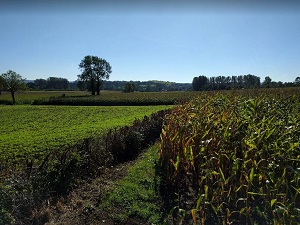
[
  {"x": 28, "y": 131},
  {"x": 136, "y": 196}
]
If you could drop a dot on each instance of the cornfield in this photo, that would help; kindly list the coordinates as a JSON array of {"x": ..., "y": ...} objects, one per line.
[{"x": 234, "y": 159}]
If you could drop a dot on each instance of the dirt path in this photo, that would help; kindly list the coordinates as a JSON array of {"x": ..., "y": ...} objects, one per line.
[{"x": 80, "y": 206}]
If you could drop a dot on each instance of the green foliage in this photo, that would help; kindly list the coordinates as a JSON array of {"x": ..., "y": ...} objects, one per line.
[
  {"x": 147, "y": 86},
  {"x": 235, "y": 158},
  {"x": 52, "y": 83},
  {"x": 94, "y": 70},
  {"x": 225, "y": 83},
  {"x": 129, "y": 87}
]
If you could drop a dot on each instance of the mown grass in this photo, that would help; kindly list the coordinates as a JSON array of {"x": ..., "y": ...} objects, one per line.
[{"x": 136, "y": 197}]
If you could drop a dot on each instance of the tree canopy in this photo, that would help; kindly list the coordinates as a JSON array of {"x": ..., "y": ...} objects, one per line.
[
  {"x": 129, "y": 87},
  {"x": 223, "y": 83},
  {"x": 13, "y": 82},
  {"x": 94, "y": 70},
  {"x": 267, "y": 82}
]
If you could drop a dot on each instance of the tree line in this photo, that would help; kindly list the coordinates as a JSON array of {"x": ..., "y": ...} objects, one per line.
[
  {"x": 249, "y": 81},
  {"x": 52, "y": 83},
  {"x": 146, "y": 86},
  {"x": 96, "y": 71}
]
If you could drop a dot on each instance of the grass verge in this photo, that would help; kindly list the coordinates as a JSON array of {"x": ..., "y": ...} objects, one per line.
[{"x": 135, "y": 200}]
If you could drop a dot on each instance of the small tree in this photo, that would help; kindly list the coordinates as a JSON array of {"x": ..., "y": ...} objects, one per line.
[
  {"x": 267, "y": 82},
  {"x": 129, "y": 87},
  {"x": 13, "y": 82}
]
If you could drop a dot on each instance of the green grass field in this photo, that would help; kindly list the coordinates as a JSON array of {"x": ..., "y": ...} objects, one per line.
[{"x": 28, "y": 131}]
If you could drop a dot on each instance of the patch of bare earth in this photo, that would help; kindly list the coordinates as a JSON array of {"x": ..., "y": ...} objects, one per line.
[{"x": 80, "y": 206}]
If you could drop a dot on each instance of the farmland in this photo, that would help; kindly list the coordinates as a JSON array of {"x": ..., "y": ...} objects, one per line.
[
  {"x": 224, "y": 157},
  {"x": 234, "y": 158},
  {"x": 28, "y": 131},
  {"x": 113, "y": 98},
  {"x": 28, "y": 97}
]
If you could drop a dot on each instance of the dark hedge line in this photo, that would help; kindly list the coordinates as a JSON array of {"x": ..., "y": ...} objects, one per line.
[{"x": 61, "y": 170}]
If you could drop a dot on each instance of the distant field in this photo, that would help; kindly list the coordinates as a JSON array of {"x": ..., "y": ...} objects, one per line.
[
  {"x": 28, "y": 97},
  {"x": 120, "y": 98},
  {"x": 28, "y": 131},
  {"x": 105, "y": 98}
]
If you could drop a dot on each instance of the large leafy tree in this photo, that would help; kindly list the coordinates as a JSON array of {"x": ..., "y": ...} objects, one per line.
[
  {"x": 94, "y": 70},
  {"x": 13, "y": 82}
]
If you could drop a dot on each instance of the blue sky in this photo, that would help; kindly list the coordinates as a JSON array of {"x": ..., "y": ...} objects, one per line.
[{"x": 145, "y": 40}]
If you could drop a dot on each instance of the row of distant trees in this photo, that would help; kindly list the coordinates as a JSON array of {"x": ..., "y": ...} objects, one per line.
[
  {"x": 52, "y": 83},
  {"x": 146, "y": 86},
  {"x": 237, "y": 82}
]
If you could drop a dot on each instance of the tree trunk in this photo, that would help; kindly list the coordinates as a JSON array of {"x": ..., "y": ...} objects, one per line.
[
  {"x": 13, "y": 97},
  {"x": 98, "y": 88},
  {"x": 93, "y": 87},
  {"x": 98, "y": 85}
]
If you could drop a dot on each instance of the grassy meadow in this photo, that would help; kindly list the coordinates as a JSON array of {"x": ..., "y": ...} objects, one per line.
[{"x": 28, "y": 131}]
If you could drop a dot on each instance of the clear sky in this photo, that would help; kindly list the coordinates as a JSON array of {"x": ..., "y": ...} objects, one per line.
[{"x": 152, "y": 40}]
